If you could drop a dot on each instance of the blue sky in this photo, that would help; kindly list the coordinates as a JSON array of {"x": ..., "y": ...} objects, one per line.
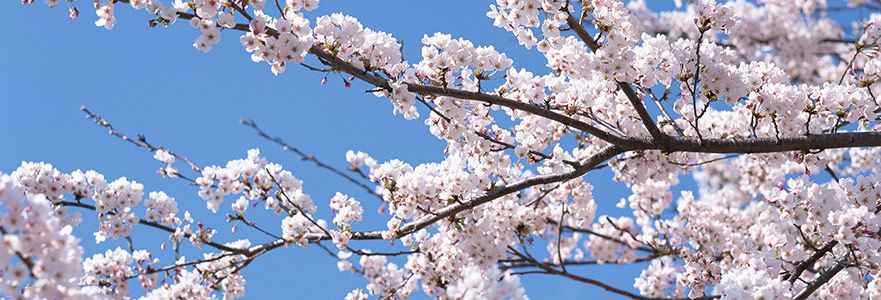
[{"x": 153, "y": 82}]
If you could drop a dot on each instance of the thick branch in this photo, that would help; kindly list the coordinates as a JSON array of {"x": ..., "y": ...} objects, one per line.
[
  {"x": 625, "y": 87},
  {"x": 522, "y": 263},
  {"x": 381, "y": 82},
  {"x": 588, "y": 164},
  {"x": 801, "y": 267},
  {"x": 820, "y": 281},
  {"x": 761, "y": 145},
  {"x": 667, "y": 144}
]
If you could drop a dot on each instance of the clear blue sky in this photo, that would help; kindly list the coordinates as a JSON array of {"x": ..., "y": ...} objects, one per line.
[{"x": 152, "y": 81}]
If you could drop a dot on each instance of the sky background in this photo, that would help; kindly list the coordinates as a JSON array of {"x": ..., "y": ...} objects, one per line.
[{"x": 151, "y": 81}]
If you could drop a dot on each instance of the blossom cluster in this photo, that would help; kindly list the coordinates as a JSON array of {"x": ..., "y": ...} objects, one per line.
[
  {"x": 109, "y": 272},
  {"x": 519, "y": 17},
  {"x": 356, "y": 160},
  {"x": 256, "y": 179},
  {"x": 215, "y": 271},
  {"x": 297, "y": 227},
  {"x": 290, "y": 44},
  {"x": 412, "y": 191},
  {"x": 56, "y": 253},
  {"x": 114, "y": 200},
  {"x": 40, "y": 257},
  {"x": 445, "y": 58},
  {"x": 486, "y": 284},
  {"x": 161, "y": 208},
  {"x": 253, "y": 177},
  {"x": 166, "y": 158},
  {"x": 366, "y": 49},
  {"x": 347, "y": 210},
  {"x": 386, "y": 278}
]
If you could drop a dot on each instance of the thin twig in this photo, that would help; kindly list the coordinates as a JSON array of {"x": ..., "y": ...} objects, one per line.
[
  {"x": 589, "y": 231},
  {"x": 308, "y": 157},
  {"x": 560, "y": 236},
  {"x": 140, "y": 142},
  {"x": 704, "y": 162},
  {"x": 183, "y": 264},
  {"x": 161, "y": 227},
  {"x": 551, "y": 270}
]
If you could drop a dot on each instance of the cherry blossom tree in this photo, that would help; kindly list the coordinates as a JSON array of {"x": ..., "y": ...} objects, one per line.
[{"x": 769, "y": 106}]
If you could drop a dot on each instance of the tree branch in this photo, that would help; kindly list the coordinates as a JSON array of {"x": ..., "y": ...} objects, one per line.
[
  {"x": 625, "y": 87},
  {"x": 820, "y": 281},
  {"x": 587, "y": 165},
  {"x": 141, "y": 142},
  {"x": 164, "y": 228},
  {"x": 802, "y": 266},
  {"x": 551, "y": 270},
  {"x": 309, "y": 157}
]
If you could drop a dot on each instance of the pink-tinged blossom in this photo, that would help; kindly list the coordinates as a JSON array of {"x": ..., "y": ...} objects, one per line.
[
  {"x": 486, "y": 284},
  {"x": 105, "y": 16},
  {"x": 226, "y": 20},
  {"x": 295, "y": 229},
  {"x": 207, "y": 8},
  {"x": 33, "y": 232},
  {"x": 164, "y": 156},
  {"x": 356, "y": 160},
  {"x": 240, "y": 205},
  {"x": 357, "y": 294},
  {"x": 109, "y": 271},
  {"x": 296, "y": 5},
  {"x": 344, "y": 265},
  {"x": 187, "y": 284}
]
